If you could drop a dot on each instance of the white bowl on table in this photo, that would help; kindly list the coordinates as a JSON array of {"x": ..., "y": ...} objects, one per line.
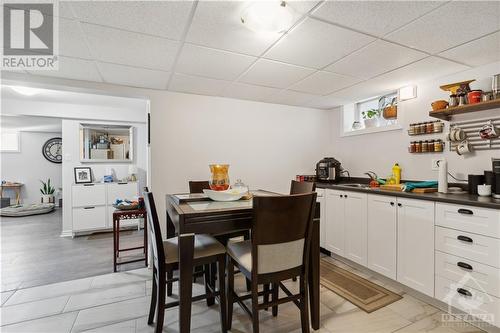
[{"x": 227, "y": 195}]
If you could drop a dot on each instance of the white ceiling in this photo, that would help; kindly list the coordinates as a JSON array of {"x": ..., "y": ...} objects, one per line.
[
  {"x": 30, "y": 124},
  {"x": 335, "y": 51}
]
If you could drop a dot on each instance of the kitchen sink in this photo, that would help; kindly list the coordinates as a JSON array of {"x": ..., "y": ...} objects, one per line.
[{"x": 355, "y": 185}]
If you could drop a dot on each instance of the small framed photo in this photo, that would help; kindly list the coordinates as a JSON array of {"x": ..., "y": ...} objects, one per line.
[{"x": 83, "y": 175}]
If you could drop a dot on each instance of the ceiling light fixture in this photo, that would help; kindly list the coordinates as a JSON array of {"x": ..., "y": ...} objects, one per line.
[
  {"x": 26, "y": 91},
  {"x": 268, "y": 17}
]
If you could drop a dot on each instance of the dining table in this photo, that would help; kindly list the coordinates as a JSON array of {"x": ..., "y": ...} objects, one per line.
[{"x": 190, "y": 214}]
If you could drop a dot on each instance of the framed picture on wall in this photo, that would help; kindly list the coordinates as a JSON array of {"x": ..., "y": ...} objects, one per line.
[{"x": 83, "y": 175}]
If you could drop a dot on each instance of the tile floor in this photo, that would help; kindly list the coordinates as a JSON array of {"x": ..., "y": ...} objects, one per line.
[
  {"x": 119, "y": 303},
  {"x": 46, "y": 258}
]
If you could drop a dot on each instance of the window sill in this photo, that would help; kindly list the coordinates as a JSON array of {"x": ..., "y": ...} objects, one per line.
[{"x": 370, "y": 130}]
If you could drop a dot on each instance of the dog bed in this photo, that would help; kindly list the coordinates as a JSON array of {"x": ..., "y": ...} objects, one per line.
[{"x": 27, "y": 210}]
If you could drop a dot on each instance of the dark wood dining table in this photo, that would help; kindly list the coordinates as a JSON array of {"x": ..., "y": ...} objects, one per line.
[{"x": 200, "y": 216}]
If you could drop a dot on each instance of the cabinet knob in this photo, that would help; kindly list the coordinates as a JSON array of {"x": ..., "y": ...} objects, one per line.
[
  {"x": 341, "y": 196},
  {"x": 464, "y": 265},
  {"x": 465, "y": 211},
  {"x": 464, "y": 292},
  {"x": 400, "y": 205},
  {"x": 345, "y": 195},
  {"x": 392, "y": 203},
  {"x": 464, "y": 239}
]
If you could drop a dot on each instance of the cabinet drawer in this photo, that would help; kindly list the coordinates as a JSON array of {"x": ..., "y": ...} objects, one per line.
[
  {"x": 482, "y": 221},
  {"x": 88, "y": 195},
  {"x": 122, "y": 191},
  {"x": 89, "y": 218},
  {"x": 458, "y": 269},
  {"x": 485, "y": 250},
  {"x": 475, "y": 302}
]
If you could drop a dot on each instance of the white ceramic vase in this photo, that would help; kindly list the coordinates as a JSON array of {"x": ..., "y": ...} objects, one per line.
[
  {"x": 371, "y": 122},
  {"x": 47, "y": 198}
]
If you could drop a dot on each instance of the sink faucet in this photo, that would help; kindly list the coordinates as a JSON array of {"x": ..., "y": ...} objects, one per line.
[{"x": 372, "y": 175}]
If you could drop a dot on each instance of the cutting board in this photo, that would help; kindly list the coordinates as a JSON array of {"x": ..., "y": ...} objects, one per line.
[{"x": 397, "y": 188}]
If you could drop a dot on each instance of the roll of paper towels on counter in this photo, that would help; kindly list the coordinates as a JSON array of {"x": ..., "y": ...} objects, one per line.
[{"x": 443, "y": 177}]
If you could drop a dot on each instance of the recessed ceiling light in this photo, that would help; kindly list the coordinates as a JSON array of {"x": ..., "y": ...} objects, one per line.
[
  {"x": 268, "y": 16},
  {"x": 27, "y": 91}
]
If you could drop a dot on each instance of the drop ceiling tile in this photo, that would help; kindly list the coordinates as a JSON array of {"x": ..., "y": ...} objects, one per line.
[
  {"x": 450, "y": 25},
  {"x": 133, "y": 76},
  {"x": 274, "y": 74},
  {"x": 251, "y": 92},
  {"x": 290, "y": 97},
  {"x": 212, "y": 63},
  {"x": 71, "y": 40},
  {"x": 159, "y": 18},
  {"x": 72, "y": 68},
  {"x": 217, "y": 24},
  {"x": 316, "y": 44},
  {"x": 130, "y": 48},
  {"x": 479, "y": 52},
  {"x": 374, "y": 59},
  {"x": 197, "y": 85},
  {"x": 325, "y": 103},
  {"x": 322, "y": 83},
  {"x": 373, "y": 17}
]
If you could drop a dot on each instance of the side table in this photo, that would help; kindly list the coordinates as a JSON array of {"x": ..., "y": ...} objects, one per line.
[{"x": 119, "y": 215}]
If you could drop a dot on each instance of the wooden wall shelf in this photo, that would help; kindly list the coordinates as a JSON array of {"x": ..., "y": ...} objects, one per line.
[{"x": 447, "y": 113}]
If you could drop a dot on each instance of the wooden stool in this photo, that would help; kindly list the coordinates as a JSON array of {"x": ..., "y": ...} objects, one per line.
[{"x": 119, "y": 215}]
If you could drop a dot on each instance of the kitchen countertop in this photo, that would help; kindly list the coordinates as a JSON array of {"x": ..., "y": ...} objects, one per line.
[{"x": 459, "y": 199}]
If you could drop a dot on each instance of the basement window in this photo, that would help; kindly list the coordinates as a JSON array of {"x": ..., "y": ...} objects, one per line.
[
  {"x": 375, "y": 114},
  {"x": 9, "y": 142}
]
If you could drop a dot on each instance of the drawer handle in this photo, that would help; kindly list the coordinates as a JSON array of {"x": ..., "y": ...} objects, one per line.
[
  {"x": 464, "y": 265},
  {"x": 464, "y": 239},
  {"x": 122, "y": 183},
  {"x": 465, "y": 211},
  {"x": 88, "y": 184},
  {"x": 464, "y": 292},
  {"x": 88, "y": 207}
]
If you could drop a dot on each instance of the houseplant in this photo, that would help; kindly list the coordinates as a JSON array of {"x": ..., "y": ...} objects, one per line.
[
  {"x": 371, "y": 117},
  {"x": 47, "y": 191}
]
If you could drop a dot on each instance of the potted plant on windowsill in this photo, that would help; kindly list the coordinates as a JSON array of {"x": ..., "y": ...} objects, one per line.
[
  {"x": 371, "y": 118},
  {"x": 47, "y": 191}
]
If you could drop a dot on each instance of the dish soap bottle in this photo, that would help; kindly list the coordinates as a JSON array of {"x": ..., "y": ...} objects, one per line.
[{"x": 396, "y": 172}]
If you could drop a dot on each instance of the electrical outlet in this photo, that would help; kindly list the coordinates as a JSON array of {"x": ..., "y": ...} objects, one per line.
[{"x": 435, "y": 164}]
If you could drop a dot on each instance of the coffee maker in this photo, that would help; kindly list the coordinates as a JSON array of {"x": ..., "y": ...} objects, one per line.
[
  {"x": 328, "y": 170},
  {"x": 496, "y": 177}
]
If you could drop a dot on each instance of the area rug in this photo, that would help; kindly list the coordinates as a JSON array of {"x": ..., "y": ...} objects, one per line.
[{"x": 365, "y": 294}]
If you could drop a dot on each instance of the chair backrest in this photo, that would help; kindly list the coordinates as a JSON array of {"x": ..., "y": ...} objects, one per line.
[
  {"x": 281, "y": 231},
  {"x": 302, "y": 187},
  {"x": 198, "y": 186},
  {"x": 154, "y": 230}
]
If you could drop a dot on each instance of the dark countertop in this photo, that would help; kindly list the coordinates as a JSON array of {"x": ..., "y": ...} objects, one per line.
[{"x": 459, "y": 199}]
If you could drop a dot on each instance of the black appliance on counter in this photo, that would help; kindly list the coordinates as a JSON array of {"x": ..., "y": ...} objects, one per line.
[{"x": 328, "y": 170}]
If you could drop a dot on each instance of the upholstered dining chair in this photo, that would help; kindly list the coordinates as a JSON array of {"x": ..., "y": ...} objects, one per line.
[
  {"x": 165, "y": 258},
  {"x": 279, "y": 250}
]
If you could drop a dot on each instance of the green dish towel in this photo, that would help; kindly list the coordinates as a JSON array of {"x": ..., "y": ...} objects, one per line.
[{"x": 408, "y": 187}]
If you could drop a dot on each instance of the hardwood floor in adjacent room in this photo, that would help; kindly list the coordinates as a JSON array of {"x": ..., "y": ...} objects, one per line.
[{"x": 33, "y": 253}]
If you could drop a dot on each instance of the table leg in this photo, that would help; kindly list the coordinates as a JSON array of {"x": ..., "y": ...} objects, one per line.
[
  {"x": 186, "y": 251},
  {"x": 114, "y": 245},
  {"x": 314, "y": 276},
  {"x": 170, "y": 227},
  {"x": 146, "y": 245}
]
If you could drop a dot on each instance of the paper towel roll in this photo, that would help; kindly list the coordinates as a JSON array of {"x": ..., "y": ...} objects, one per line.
[{"x": 443, "y": 177}]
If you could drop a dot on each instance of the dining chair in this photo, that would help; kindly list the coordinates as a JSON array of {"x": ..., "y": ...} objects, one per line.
[
  {"x": 197, "y": 186},
  {"x": 165, "y": 259},
  {"x": 302, "y": 187},
  {"x": 279, "y": 250}
]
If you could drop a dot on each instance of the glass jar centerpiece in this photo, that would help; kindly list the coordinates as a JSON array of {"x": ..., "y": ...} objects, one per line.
[{"x": 219, "y": 179}]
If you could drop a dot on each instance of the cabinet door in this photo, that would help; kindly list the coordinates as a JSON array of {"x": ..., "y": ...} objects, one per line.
[
  {"x": 122, "y": 191},
  {"x": 334, "y": 240},
  {"x": 89, "y": 218},
  {"x": 382, "y": 234},
  {"x": 416, "y": 245},
  {"x": 322, "y": 217},
  {"x": 355, "y": 226}
]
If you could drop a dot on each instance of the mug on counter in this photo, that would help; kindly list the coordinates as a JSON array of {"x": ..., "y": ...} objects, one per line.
[
  {"x": 456, "y": 134},
  {"x": 484, "y": 190},
  {"x": 464, "y": 147}
]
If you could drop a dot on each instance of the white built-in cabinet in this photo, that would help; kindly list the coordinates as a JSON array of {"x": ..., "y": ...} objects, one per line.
[
  {"x": 346, "y": 225},
  {"x": 415, "y": 267},
  {"x": 92, "y": 204}
]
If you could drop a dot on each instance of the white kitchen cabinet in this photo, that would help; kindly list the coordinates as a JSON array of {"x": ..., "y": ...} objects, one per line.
[
  {"x": 415, "y": 262},
  {"x": 355, "y": 227},
  {"x": 382, "y": 234},
  {"x": 334, "y": 240},
  {"x": 322, "y": 217}
]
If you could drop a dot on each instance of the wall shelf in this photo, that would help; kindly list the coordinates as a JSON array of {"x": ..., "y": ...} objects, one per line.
[{"x": 447, "y": 113}]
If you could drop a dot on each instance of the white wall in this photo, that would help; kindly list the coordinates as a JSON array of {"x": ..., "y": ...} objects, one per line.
[
  {"x": 29, "y": 167},
  {"x": 379, "y": 151}
]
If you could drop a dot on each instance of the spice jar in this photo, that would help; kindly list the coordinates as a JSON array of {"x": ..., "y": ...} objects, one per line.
[
  {"x": 425, "y": 146},
  {"x": 438, "y": 126},
  {"x": 412, "y": 148},
  {"x": 438, "y": 145},
  {"x": 453, "y": 101},
  {"x": 411, "y": 130},
  {"x": 429, "y": 127},
  {"x": 418, "y": 146},
  {"x": 422, "y": 128}
]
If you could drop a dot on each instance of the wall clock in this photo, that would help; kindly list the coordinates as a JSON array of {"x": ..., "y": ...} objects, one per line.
[{"x": 52, "y": 150}]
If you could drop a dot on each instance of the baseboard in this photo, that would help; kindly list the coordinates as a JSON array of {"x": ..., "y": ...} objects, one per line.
[{"x": 66, "y": 233}]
